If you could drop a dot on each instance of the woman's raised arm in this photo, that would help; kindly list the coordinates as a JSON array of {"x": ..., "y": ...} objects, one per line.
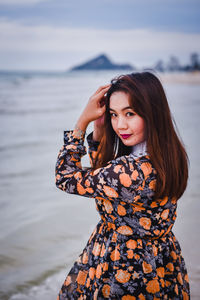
[
  {"x": 119, "y": 179},
  {"x": 94, "y": 109}
]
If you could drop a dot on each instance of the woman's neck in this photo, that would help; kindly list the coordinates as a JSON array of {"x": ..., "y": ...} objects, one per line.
[{"x": 140, "y": 149}]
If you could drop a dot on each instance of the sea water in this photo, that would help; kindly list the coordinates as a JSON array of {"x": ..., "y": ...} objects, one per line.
[{"x": 42, "y": 229}]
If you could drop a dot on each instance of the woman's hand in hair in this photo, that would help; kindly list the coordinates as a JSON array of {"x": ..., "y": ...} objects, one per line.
[{"x": 94, "y": 109}]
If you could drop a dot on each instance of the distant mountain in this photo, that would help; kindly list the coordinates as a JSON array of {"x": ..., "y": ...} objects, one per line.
[{"x": 102, "y": 62}]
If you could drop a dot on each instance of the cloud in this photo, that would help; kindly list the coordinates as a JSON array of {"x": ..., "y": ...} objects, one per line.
[{"x": 74, "y": 45}]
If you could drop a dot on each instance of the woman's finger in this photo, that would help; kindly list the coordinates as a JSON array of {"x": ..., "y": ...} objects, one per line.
[
  {"x": 102, "y": 92},
  {"x": 103, "y": 87}
]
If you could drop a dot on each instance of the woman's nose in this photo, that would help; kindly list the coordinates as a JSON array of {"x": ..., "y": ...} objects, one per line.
[{"x": 121, "y": 123}]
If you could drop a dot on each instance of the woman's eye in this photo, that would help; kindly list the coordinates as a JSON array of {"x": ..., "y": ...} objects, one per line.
[
  {"x": 112, "y": 115},
  {"x": 129, "y": 114}
]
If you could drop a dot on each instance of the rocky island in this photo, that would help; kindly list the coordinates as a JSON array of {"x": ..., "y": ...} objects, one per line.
[{"x": 101, "y": 62}]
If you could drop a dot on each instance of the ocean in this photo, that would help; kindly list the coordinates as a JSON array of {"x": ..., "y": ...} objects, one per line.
[{"x": 42, "y": 229}]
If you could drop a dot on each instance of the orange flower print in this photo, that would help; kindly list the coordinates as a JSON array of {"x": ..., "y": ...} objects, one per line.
[
  {"x": 96, "y": 249},
  {"x": 85, "y": 258},
  {"x": 89, "y": 190},
  {"x": 110, "y": 192},
  {"x": 88, "y": 282},
  {"x": 153, "y": 286},
  {"x": 164, "y": 201},
  {"x": 136, "y": 198},
  {"x": 145, "y": 222},
  {"x": 98, "y": 271},
  {"x": 134, "y": 175},
  {"x": 78, "y": 176},
  {"x": 176, "y": 289},
  {"x": 146, "y": 168},
  {"x": 165, "y": 214},
  {"x": 105, "y": 266},
  {"x": 160, "y": 272},
  {"x": 125, "y": 179},
  {"x": 103, "y": 250},
  {"x": 108, "y": 206},
  {"x": 132, "y": 244},
  {"x": 130, "y": 254},
  {"x": 106, "y": 291},
  {"x": 135, "y": 275},
  {"x": 122, "y": 276},
  {"x": 117, "y": 169},
  {"x": 180, "y": 279},
  {"x": 173, "y": 254},
  {"x": 111, "y": 225},
  {"x": 114, "y": 237},
  {"x": 147, "y": 268},
  {"x": 126, "y": 230},
  {"x": 128, "y": 297},
  {"x": 152, "y": 185},
  {"x": 121, "y": 210},
  {"x": 92, "y": 273},
  {"x": 80, "y": 189},
  {"x": 170, "y": 266},
  {"x": 154, "y": 204},
  {"x": 81, "y": 277},
  {"x": 115, "y": 255},
  {"x": 155, "y": 250}
]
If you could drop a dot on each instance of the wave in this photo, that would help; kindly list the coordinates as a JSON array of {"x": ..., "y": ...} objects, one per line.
[{"x": 45, "y": 287}]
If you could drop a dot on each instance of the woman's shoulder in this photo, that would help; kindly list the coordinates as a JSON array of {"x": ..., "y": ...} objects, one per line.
[{"x": 142, "y": 164}]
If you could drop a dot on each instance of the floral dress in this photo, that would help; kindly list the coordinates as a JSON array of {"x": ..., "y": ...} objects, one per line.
[{"x": 132, "y": 253}]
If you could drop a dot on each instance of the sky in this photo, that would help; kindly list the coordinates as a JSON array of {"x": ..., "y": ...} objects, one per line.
[{"x": 55, "y": 35}]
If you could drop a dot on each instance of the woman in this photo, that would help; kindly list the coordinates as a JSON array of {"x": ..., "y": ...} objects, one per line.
[{"x": 138, "y": 172}]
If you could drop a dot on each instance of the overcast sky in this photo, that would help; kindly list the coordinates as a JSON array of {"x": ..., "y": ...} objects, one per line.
[{"x": 58, "y": 34}]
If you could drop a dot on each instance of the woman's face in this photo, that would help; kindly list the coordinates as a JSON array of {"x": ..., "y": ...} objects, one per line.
[{"x": 129, "y": 126}]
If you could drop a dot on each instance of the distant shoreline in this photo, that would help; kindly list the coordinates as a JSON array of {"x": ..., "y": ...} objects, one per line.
[{"x": 189, "y": 77}]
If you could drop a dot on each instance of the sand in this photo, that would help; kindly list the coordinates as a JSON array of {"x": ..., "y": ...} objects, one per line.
[{"x": 180, "y": 77}]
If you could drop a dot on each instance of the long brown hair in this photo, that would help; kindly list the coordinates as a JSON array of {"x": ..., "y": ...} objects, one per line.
[{"x": 165, "y": 148}]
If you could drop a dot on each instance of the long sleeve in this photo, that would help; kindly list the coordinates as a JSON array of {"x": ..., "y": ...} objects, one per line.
[
  {"x": 119, "y": 179},
  {"x": 92, "y": 148}
]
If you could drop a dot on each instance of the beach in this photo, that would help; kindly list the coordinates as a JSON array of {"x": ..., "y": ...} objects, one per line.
[{"x": 43, "y": 229}]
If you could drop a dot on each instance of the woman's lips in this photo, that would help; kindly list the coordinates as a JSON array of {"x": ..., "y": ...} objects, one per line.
[{"x": 125, "y": 136}]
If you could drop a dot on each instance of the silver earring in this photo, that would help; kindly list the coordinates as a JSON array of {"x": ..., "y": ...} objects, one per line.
[{"x": 116, "y": 146}]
